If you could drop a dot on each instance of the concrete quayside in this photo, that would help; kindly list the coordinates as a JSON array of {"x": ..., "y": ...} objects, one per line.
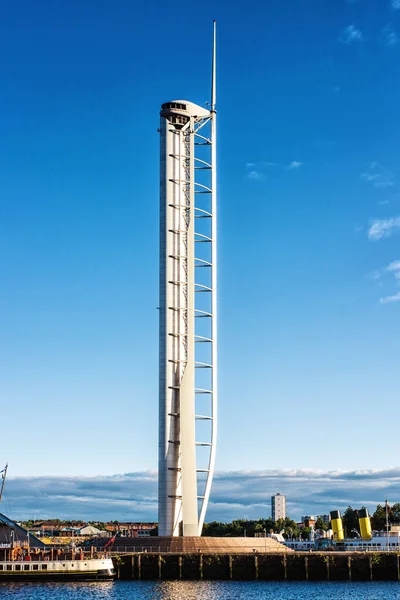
[{"x": 269, "y": 566}]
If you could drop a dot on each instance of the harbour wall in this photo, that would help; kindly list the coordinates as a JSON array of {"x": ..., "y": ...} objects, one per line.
[{"x": 316, "y": 566}]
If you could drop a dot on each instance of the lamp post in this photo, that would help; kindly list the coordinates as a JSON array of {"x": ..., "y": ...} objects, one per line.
[
  {"x": 11, "y": 543},
  {"x": 387, "y": 508}
]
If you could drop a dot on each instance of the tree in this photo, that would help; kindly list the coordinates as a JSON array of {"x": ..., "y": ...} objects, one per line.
[
  {"x": 320, "y": 524},
  {"x": 395, "y": 513},
  {"x": 288, "y": 526},
  {"x": 378, "y": 519},
  {"x": 154, "y": 532},
  {"x": 350, "y": 522}
]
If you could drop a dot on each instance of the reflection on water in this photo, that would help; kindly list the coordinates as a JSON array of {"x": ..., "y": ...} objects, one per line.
[
  {"x": 259, "y": 590},
  {"x": 199, "y": 590}
]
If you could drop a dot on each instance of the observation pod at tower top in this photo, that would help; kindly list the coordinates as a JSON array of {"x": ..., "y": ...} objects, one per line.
[{"x": 188, "y": 311}]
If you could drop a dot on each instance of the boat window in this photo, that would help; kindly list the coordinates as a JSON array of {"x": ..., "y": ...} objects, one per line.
[
  {"x": 35, "y": 567},
  {"x": 26, "y": 567},
  {"x": 44, "y": 567},
  {"x": 17, "y": 567},
  {"x": 1, "y": 567}
]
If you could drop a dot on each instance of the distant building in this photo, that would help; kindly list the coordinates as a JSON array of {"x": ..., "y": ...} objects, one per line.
[
  {"x": 326, "y": 519},
  {"x": 308, "y": 520},
  {"x": 131, "y": 529},
  {"x": 278, "y": 506},
  {"x": 90, "y": 530}
]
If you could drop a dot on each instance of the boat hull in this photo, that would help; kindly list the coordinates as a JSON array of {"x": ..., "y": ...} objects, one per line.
[{"x": 59, "y": 570}]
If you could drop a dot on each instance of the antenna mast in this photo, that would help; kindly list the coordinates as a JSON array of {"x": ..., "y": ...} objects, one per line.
[
  {"x": 3, "y": 474},
  {"x": 214, "y": 69}
]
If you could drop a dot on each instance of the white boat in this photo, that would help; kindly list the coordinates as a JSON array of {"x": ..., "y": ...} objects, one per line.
[
  {"x": 380, "y": 542},
  {"x": 90, "y": 568},
  {"x": 24, "y": 557}
]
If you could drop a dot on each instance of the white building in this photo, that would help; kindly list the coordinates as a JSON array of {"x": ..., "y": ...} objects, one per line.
[
  {"x": 278, "y": 506},
  {"x": 188, "y": 312}
]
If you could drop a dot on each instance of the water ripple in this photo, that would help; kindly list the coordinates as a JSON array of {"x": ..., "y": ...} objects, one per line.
[{"x": 200, "y": 590}]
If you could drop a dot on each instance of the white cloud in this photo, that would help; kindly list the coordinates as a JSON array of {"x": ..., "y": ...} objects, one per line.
[
  {"x": 257, "y": 170},
  {"x": 295, "y": 164},
  {"x": 383, "y": 228},
  {"x": 351, "y": 35},
  {"x": 390, "y": 299},
  {"x": 262, "y": 164},
  {"x": 375, "y": 275},
  {"x": 388, "y": 36},
  {"x": 392, "y": 38},
  {"x": 235, "y": 494},
  {"x": 394, "y": 266},
  {"x": 255, "y": 175},
  {"x": 379, "y": 176},
  {"x": 394, "y": 269}
]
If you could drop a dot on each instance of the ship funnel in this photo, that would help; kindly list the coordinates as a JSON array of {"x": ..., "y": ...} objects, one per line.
[
  {"x": 337, "y": 525},
  {"x": 365, "y": 524}
]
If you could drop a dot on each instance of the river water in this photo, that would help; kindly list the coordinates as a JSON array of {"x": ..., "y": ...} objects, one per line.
[{"x": 200, "y": 590}]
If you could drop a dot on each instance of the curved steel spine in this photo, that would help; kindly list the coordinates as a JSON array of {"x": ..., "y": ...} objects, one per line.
[
  {"x": 214, "y": 346},
  {"x": 188, "y": 311}
]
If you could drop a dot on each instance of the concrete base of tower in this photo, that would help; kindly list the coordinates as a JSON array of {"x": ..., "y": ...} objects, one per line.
[{"x": 195, "y": 544}]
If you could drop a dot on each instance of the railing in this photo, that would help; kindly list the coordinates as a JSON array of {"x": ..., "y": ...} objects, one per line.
[
  {"x": 50, "y": 554},
  {"x": 210, "y": 550}
]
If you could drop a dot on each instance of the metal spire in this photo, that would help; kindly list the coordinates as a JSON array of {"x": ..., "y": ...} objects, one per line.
[
  {"x": 3, "y": 474},
  {"x": 214, "y": 69}
]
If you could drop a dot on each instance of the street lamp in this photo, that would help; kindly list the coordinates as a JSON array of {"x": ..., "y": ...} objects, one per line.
[{"x": 11, "y": 542}]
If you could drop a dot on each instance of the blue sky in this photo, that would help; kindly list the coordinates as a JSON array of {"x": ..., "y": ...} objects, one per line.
[{"x": 309, "y": 223}]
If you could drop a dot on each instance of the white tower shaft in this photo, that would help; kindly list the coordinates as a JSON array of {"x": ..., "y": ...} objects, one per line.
[{"x": 188, "y": 310}]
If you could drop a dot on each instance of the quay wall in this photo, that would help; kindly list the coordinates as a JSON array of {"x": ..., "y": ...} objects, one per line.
[{"x": 298, "y": 566}]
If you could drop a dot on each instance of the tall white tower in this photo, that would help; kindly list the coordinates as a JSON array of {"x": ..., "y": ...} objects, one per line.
[{"x": 188, "y": 314}]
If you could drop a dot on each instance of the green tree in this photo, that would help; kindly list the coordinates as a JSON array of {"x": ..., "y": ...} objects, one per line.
[
  {"x": 395, "y": 513},
  {"x": 305, "y": 533},
  {"x": 378, "y": 520},
  {"x": 215, "y": 529},
  {"x": 350, "y": 522},
  {"x": 154, "y": 532},
  {"x": 320, "y": 524},
  {"x": 288, "y": 526}
]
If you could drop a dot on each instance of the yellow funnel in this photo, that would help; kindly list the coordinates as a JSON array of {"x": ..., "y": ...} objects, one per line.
[
  {"x": 337, "y": 525},
  {"x": 365, "y": 524}
]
